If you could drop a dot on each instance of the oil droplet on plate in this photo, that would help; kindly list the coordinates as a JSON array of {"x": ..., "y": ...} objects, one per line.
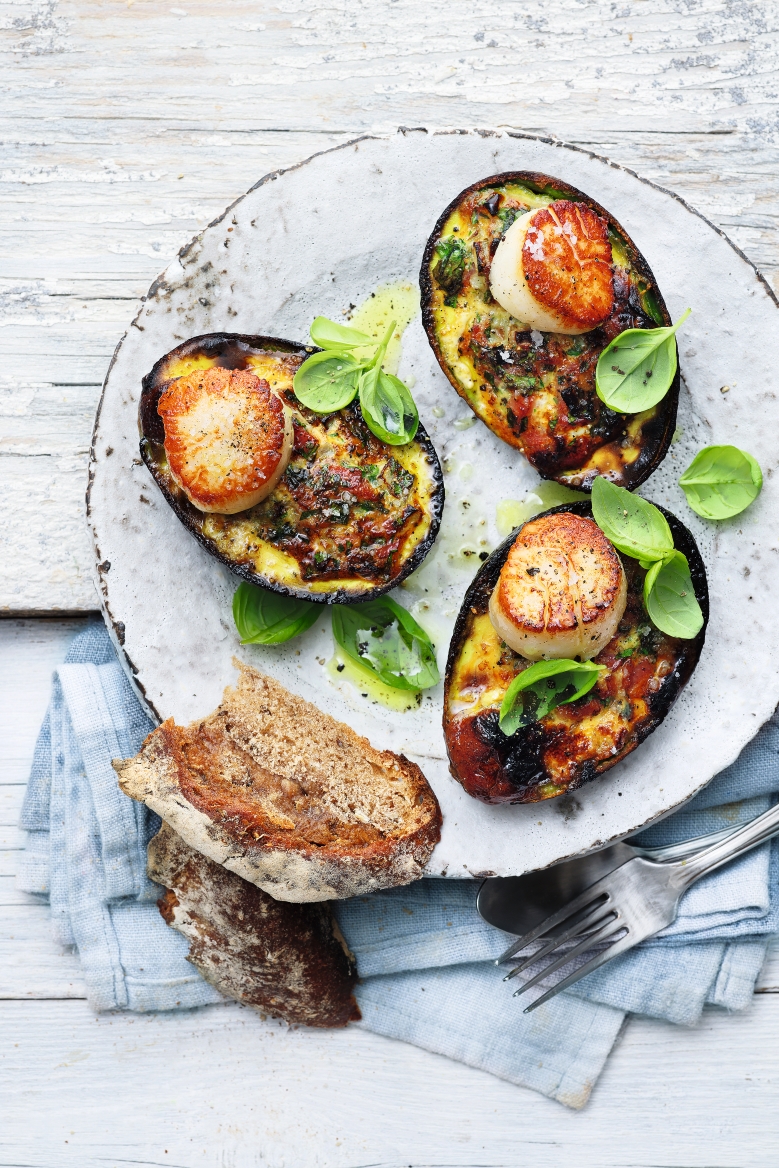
[
  {"x": 510, "y": 513},
  {"x": 398, "y": 302},
  {"x": 341, "y": 668}
]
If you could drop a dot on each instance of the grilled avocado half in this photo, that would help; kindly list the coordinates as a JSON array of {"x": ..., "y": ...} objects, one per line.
[
  {"x": 536, "y": 390},
  {"x": 572, "y": 745},
  {"x": 348, "y": 519}
]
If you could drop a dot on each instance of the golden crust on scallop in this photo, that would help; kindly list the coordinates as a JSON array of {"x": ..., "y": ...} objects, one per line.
[
  {"x": 228, "y": 438},
  {"x": 562, "y": 590},
  {"x": 566, "y": 258}
]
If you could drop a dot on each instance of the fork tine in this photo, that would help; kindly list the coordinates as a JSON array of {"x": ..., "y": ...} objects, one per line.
[
  {"x": 584, "y": 900},
  {"x": 607, "y": 929},
  {"x": 614, "y": 950},
  {"x": 592, "y": 922}
]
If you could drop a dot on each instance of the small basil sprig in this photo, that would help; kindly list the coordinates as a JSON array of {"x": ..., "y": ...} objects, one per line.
[
  {"x": 270, "y": 618},
  {"x": 635, "y": 371},
  {"x": 330, "y": 380},
  {"x": 550, "y": 684},
  {"x": 384, "y": 639},
  {"x": 721, "y": 481},
  {"x": 640, "y": 530},
  {"x": 634, "y": 526}
]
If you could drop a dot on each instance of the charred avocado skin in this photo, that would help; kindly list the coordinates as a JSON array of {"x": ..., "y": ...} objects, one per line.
[
  {"x": 541, "y": 401},
  {"x": 350, "y": 518},
  {"x": 577, "y": 742}
]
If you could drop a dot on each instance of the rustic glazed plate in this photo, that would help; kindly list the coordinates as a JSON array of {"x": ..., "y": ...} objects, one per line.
[{"x": 322, "y": 237}]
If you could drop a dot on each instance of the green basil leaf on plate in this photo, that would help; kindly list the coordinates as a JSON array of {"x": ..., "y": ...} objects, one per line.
[
  {"x": 387, "y": 407},
  {"x": 270, "y": 618},
  {"x": 670, "y": 600},
  {"x": 636, "y": 370},
  {"x": 633, "y": 525},
  {"x": 328, "y": 334},
  {"x": 543, "y": 687},
  {"x": 327, "y": 382},
  {"x": 721, "y": 481},
  {"x": 384, "y": 639}
]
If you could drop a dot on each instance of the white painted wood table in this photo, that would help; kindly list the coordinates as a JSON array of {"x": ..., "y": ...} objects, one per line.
[{"x": 127, "y": 125}]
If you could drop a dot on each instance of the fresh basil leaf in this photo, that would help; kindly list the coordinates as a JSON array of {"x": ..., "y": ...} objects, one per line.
[
  {"x": 383, "y": 638},
  {"x": 550, "y": 684},
  {"x": 670, "y": 600},
  {"x": 634, "y": 526},
  {"x": 269, "y": 618},
  {"x": 721, "y": 481},
  {"x": 388, "y": 407},
  {"x": 635, "y": 371},
  {"x": 328, "y": 334},
  {"x": 327, "y": 382}
]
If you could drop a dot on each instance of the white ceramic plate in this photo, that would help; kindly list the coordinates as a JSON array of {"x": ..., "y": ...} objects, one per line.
[{"x": 323, "y": 235}]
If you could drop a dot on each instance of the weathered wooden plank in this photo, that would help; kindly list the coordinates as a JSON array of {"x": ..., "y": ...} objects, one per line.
[
  {"x": 97, "y": 194},
  {"x": 32, "y": 964},
  {"x": 172, "y": 1089},
  {"x": 29, "y": 651}
]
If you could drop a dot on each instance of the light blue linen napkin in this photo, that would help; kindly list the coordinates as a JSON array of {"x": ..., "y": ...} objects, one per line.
[{"x": 423, "y": 953}]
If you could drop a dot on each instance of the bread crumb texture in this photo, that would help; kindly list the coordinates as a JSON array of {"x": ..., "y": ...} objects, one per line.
[
  {"x": 286, "y": 796},
  {"x": 287, "y": 960}
]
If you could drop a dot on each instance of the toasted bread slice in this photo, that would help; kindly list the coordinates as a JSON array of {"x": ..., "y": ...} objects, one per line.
[
  {"x": 288, "y": 960},
  {"x": 286, "y": 796}
]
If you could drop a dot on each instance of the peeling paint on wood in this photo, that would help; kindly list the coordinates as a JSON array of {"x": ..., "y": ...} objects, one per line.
[{"x": 128, "y": 126}]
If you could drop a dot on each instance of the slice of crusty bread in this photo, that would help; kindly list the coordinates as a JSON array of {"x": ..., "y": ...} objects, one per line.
[
  {"x": 286, "y": 796},
  {"x": 288, "y": 960}
]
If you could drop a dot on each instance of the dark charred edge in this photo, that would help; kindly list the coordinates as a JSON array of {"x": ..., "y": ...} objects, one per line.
[
  {"x": 661, "y": 430},
  {"x": 152, "y": 432},
  {"x": 481, "y": 587}
]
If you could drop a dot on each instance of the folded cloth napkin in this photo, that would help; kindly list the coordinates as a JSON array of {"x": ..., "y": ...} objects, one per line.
[{"x": 423, "y": 953}]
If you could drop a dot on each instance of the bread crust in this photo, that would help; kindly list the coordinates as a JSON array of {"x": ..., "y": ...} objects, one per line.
[
  {"x": 286, "y": 960},
  {"x": 286, "y": 796}
]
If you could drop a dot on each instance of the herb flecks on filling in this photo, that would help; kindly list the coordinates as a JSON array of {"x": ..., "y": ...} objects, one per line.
[
  {"x": 345, "y": 505},
  {"x": 536, "y": 391},
  {"x": 340, "y": 517}
]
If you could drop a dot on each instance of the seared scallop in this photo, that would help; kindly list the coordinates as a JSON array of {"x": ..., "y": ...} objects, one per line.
[
  {"x": 228, "y": 438},
  {"x": 562, "y": 590},
  {"x": 552, "y": 269}
]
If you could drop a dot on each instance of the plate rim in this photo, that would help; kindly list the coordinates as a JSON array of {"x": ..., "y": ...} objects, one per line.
[{"x": 116, "y": 628}]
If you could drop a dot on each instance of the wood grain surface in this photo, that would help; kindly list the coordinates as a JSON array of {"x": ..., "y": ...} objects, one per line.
[{"x": 128, "y": 125}]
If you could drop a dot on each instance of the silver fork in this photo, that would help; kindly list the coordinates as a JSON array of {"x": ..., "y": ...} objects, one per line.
[{"x": 626, "y": 906}]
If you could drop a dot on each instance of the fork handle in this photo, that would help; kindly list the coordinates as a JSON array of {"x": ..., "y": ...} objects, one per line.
[{"x": 757, "y": 831}]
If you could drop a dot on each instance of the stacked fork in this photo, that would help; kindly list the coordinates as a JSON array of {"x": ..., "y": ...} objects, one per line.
[{"x": 625, "y": 907}]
